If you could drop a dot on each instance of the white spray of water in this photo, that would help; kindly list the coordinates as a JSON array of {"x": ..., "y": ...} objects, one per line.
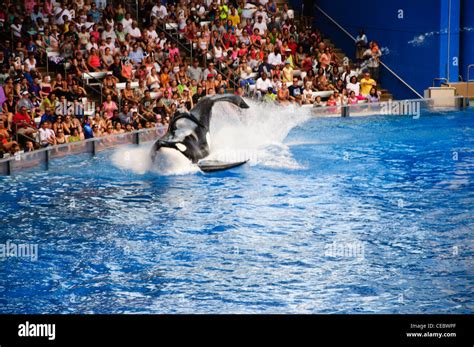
[
  {"x": 256, "y": 134},
  {"x": 422, "y": 39},
  {"x": 138, "y": 160}
]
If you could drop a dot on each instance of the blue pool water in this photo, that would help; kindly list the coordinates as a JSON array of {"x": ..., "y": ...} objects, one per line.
[{"x": 375, "y": 215}]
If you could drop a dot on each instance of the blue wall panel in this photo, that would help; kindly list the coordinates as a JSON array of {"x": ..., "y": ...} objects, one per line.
[
  {"x": 412, "y": 35},
  {"x": 467, "y": 37}
]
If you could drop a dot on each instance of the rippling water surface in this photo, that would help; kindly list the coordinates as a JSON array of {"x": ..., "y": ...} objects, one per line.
[{"x": 378, "y": 216}]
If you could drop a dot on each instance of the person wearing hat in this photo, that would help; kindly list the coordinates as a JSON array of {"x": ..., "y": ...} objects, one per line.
[
  {"x": 289, "y": 57},
  {"x": 210, "y": 70},
  {"x": 209, "y": 83},
  {"x": 193, "y": 16},
  {"x": 25, "y": 101}
]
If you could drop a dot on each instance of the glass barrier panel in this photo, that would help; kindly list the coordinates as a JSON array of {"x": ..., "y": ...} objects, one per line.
[
  {"x": 106, "y": 142},
  {"x": 71, "y": 148},
  {"x": 28, "y": 160}
]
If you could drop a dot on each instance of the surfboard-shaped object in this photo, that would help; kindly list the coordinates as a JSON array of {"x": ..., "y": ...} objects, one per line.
[{"x": 216, "y": 165}]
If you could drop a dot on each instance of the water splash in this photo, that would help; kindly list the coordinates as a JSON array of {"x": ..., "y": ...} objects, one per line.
[
  {"x": 256, "y": 134},
  {"x": 138, "y": 160},
  {"x": 385, "y": 51},
  {"x": 422, "y": 39}
]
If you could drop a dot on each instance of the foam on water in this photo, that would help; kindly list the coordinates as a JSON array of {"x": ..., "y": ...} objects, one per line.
[
  {"x": 256, "y": 134},
  {"x": 138, "y": 160}
]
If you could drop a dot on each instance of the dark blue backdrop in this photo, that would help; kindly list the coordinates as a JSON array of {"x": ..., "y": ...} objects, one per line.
[{"x": 412, "y": 34}]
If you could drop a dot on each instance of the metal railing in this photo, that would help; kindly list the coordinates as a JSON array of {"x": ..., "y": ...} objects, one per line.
[
  {"x": 411, "y": 107},
  {"x": 381, "y": 62},
  {"x": 469, "y": 67},
  {"x": 29, "y": 138},
  {"x": 81, "y": 81}
]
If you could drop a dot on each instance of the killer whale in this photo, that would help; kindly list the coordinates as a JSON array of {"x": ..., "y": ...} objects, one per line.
[{"x": 188, "y": 133}]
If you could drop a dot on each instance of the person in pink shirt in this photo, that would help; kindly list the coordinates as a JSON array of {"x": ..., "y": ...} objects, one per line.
[
  {"x": 353, "y": 99},
  {"x": 173, "y": 52},
  {"x": 109, "y": 106}
]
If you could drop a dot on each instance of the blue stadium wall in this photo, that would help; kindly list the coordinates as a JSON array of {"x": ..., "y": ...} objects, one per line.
[
  {"x": 413, "y": 35},
  {"x": 467, "y": 37}
]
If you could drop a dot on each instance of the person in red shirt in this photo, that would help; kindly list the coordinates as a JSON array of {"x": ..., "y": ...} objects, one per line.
[
  {"x": 23, "y": 123},
  {"x": 229, "y": 39},
  {"x": 292, "y": 45}
]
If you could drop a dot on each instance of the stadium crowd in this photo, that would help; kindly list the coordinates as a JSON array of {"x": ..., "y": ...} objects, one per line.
[{"x": 145, "y": 70}]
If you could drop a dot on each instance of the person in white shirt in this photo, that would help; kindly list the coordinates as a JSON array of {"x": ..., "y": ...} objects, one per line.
[
  {"x": 127, "y": 21},
  {"x": 274, "y": 59},
  {"x": 111, "y": 44},
  {"x": 261, "y": 25},
  {"x": 161, "y": 40},
  {"x": 261, "y": 12},
  {"x": 201, "y": 11},
  {"x": 59, "y": 14},
  {"x": 287, "y": 13},
  {"x": 347, "y": 75},
  {"x": 46, "y": 134},
  {"x": 151, "y": 34},
  {"x": 262, "y": 85},
  {"x": 248, "y": 11},
  {"x": 92, "y": 44},
  {"x": 361, "y": 45},
  {"x": 134, "y": 31},
  {"x": 353, "y": 86},
  {"x": 16, "y": 28},
  {"x": 159, "y": 11},
  {"x": 108, "y": 32}
]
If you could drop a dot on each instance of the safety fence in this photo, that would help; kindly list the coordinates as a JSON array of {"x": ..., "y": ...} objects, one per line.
[
  {"x": 413, "y": 107},
  {"x": 41, "y": 158}
]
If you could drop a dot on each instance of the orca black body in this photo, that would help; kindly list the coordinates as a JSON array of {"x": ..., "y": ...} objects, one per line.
[{"x": 188, "y": 133}]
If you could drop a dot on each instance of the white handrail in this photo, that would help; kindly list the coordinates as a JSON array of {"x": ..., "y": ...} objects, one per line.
[
  {"x": 337, "y": 24},
  {"x": 469, "y": 67},
  {"x": 381, "y": 62}
]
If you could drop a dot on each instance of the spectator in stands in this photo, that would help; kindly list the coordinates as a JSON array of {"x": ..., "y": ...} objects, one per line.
[
  {"x": 287, "y": 72},
  {"x": 374, "y": 95},
  {"x": 372, "y": 55},
  {"x": 47, "y": 136},
  {"x": 283, "y": 95},
  {"x": 295, "y": 90},
  {"x": 263, "y": 85},
  {"x": 23, "y": 123},
  {"x": 366, "y": 84},
  {"x": 361, "y": 46},
  {"x": 109, "y": 106}
]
